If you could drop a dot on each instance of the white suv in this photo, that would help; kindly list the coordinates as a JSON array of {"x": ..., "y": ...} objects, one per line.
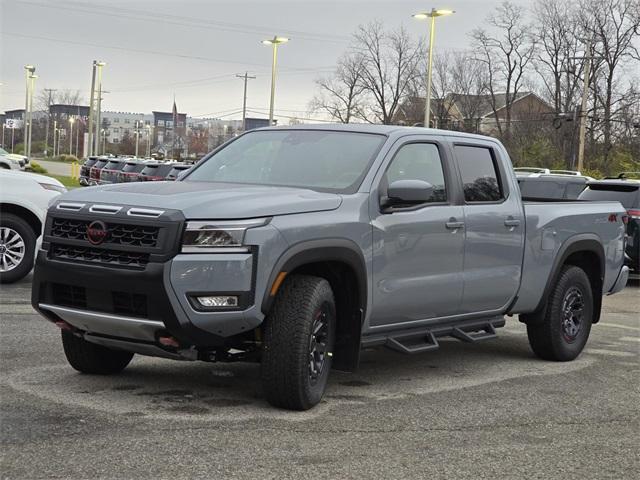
[
  {"x": 24, "y": 198},
  {"x": 12, "y": 161}
]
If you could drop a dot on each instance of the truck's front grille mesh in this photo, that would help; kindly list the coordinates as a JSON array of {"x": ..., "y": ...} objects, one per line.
[
  {"x": 97, "y": 300},
  {"x": 99, "y": 255},
  {"x": 117, "y": 233}
]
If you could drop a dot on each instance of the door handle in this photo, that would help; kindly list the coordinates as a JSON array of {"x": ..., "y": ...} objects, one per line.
[
  {"x": 512, "y": 222},
  {"x": 454, "y": 225}
]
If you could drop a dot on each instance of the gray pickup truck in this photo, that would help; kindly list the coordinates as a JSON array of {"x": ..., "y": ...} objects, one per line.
[{"x": 297, "y": 246}]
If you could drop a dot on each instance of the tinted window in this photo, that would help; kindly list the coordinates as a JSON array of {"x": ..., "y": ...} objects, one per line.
[
  {"x": 133, "y": 167},
  {"x": 419, "y": 161},
  {"x": 90, "y": 162},
  {"x": 157, "y": 170},
  {"x": 573, "y": 190},
  {"x": 316, "y": 159},
  {"x": 101, "y": 163},
  {"x": 627, "y": 195},
  {"x": 479, "y": 174},
  {"x": 531, "y": 188},
  {"x": 114, "y": 165}
]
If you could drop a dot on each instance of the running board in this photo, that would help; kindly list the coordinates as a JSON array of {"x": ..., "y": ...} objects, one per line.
[{"x": 426, "y": 339}]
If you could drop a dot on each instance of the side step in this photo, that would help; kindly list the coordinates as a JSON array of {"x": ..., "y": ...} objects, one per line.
[{"x": 426, "y": 339}]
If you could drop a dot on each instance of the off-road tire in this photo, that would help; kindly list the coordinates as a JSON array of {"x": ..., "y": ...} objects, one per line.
[
  {"x": 22, "y": 228},
  {"x": 87, "y": 357},
  {"x": 547, "y": 337},
  {"x": 286, "y": 369}
]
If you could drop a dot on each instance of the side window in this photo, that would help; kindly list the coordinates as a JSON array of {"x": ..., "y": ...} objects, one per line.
[
  {"x": 480, "y": 177},
  {"x": 419, "y": 161}
]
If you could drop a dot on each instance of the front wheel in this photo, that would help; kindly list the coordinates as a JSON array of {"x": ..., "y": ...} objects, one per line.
[
  {"x": 564, "y": 330},
  {"x": 87, "y": 357},
  {"x": 17, "y": 248},
  {"x": 299, "y": 335}
]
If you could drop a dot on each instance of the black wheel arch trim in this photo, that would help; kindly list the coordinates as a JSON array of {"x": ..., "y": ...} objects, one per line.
[
  {"x": 578, "y": 243},
  {"x": 325, "y": 250}
]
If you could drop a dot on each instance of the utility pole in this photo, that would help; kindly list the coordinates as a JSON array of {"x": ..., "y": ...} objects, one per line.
[
  {"x": 244, "y": 99},
  {"x": 91, "y": 109},
  {"x": 55, "y": 133},
  {"x": 46, "y": 133},
  {"x": 583, "y": 106},
  {"x": 137, "y": 137}
]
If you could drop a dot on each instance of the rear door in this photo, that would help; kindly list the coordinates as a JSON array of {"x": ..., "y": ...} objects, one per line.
[{"x": 494, "y": 225}]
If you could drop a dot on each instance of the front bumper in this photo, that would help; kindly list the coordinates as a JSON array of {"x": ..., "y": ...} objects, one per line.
[{"x": 142, "y": 305}]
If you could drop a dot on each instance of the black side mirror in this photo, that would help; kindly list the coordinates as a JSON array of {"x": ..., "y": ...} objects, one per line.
[{"x": 407, "y": 192}]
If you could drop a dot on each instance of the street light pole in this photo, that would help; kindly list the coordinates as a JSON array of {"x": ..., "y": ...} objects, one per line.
[
  {"x": 32, "y": 85},
  {"x": 274, "y": 42},
  {"x": 148, "y": 141},
  {"x": 423, "y": 16},
  {"x": 28, "y": 71},
  {"x": 55, "y": 133},
  {"x": 91, "y": 109},
  {"x": 99, "y": 66},
  {"x": 71, "y": 119},
  {"x": 137, "y": 137}
]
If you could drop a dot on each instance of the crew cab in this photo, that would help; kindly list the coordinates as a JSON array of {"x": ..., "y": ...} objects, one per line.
[{"x": 297, "y": 246}]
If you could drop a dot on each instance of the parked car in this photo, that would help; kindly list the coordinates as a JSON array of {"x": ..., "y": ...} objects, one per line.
[
  {"x": 12, "y": 161},
  {"x": 627, "y": 192},
  {"x": 109, "y": 173},
  {"x": 524, "y": 171},
  {"x": 24, "y": 198},
  {"x": 154, "y": 172},
  {"x": 177, "y": 170},
  {"x": 131, "y": 171},
  {"x": 94, "y": 171},
  {"x": 85, "y": 170},
  {"x": 297, "y": 246},
  {"x": 551, "y": 186}
]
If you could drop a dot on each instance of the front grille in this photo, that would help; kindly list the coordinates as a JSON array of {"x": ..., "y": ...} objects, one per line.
[
  {"x": 117, "y": 233},
  {"x": 98, "y": 300},
  {"x": 99, "y": 255}
]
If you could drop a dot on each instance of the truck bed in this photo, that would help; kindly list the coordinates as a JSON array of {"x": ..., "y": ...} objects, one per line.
[{"x": 548, "y": 226}]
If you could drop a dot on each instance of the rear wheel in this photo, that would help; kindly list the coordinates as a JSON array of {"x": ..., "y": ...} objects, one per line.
[
  {"x": 17, "y": 248},
  {"x": 87, "y": 357},
  {"x": 563, "y": 332},
  {"x": 299, "y": 335}
]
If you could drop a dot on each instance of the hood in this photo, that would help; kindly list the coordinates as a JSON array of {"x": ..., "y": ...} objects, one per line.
[{"x": 204, "y": 200}]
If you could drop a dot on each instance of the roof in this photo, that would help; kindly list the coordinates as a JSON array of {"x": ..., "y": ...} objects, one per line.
[
  {"x": 379, "y": 129},
  {"x": 485, "y": 102}
]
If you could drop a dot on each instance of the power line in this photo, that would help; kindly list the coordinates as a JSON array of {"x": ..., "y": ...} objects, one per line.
[{"x": 192, "y": 22}]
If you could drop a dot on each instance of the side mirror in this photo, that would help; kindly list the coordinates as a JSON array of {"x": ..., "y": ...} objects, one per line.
[{"x": 408, "y": 192}]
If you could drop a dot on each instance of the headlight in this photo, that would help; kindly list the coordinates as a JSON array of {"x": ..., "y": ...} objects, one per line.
[
  {"x": 203, "y": 236},
  {"x": 55, "y": 188}
]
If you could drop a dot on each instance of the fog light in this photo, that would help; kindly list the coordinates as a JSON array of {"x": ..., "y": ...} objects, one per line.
[{"x": 218, "y": 301}]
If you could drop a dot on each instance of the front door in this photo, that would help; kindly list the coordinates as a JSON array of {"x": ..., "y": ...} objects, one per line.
[{"x": 418, "y": 249}]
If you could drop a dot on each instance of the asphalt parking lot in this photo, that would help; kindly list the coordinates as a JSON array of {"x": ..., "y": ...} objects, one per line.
[{"x": 488, "y": 410}]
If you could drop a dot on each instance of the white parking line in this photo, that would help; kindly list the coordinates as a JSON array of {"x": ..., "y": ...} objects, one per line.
[
  {"x": 615, "y": 325},
  {"x": 630, "y": 339}
]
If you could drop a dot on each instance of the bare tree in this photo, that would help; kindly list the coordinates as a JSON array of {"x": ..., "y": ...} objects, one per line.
[
  {"x": 469, "y": 84},
  {"x": 390, "y": 65},
  {"x": 506, "y": 51},
  {"x": 341, "y": 92},
  {"x": 614, "y": 26}
]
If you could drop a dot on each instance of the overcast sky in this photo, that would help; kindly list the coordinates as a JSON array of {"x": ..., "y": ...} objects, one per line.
[{"x": 193, "y": 48}]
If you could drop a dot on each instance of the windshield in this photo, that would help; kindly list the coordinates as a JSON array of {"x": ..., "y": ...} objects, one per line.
[
  {"x": 316, "y": 159},
  {"x": 3, "y": 151}
]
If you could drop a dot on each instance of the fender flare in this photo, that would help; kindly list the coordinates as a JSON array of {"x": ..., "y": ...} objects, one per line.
[
  {"x": 585, "y": 242},
  {"x": 325, "y": 250}
]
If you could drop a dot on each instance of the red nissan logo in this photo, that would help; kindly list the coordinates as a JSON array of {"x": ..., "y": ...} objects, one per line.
[{"x": 97, "y": 232}]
